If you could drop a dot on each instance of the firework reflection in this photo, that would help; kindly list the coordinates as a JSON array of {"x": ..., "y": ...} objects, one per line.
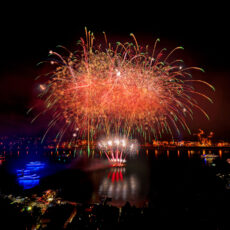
[{"x": 120, "y": 186}]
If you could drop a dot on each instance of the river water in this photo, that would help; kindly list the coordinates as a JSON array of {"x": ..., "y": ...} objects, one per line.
[{"x": 149, "y": 177}]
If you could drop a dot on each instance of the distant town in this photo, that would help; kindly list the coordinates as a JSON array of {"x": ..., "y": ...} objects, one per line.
[{"x": 27, "y": 143}]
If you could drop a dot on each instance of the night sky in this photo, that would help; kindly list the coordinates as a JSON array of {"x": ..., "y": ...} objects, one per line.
[{"x": 28, "y": 32}]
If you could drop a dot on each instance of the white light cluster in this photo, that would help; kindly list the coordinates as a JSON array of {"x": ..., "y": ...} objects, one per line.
[
  {"x": 116, "y": 143},
  {"x": 118, "y": 73},
  {"x": 113, "y": 143},
  {"x": 119, "y": 160}
]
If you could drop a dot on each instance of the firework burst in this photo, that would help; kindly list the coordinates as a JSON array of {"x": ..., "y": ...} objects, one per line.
[
  {"x": 117, "y": 148},
  {"x": 122, "y": 89}
]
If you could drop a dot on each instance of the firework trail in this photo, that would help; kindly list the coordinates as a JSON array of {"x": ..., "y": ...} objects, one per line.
[{"x": 122, "y": 89}]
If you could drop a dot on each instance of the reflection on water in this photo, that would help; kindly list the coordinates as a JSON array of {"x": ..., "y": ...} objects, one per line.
[
  {"x": 120, "y": 186},
  {"x": 141, "y": 179},
  {"x": 28, "y": 177}
]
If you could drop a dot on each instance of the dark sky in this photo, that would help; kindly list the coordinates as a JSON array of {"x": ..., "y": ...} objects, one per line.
[{"x": 28, "y": 32}]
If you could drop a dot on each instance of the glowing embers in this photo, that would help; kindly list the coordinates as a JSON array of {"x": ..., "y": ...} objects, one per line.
[{"x": 116, "y": 149}]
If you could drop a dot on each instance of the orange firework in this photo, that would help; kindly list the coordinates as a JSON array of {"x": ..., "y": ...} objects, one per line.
[{"x": 118, "y": 90}]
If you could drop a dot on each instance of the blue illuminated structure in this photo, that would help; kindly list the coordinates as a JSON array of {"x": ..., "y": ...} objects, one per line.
[
  {"x": 22, "y": 172},
  {"x": 28, "y": 177},
  {"x": 28, "y": 182},
  {"x": 35, "y": 165}
]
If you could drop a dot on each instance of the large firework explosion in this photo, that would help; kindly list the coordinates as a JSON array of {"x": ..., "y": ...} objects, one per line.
[{"x": 122, "y": 90}]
